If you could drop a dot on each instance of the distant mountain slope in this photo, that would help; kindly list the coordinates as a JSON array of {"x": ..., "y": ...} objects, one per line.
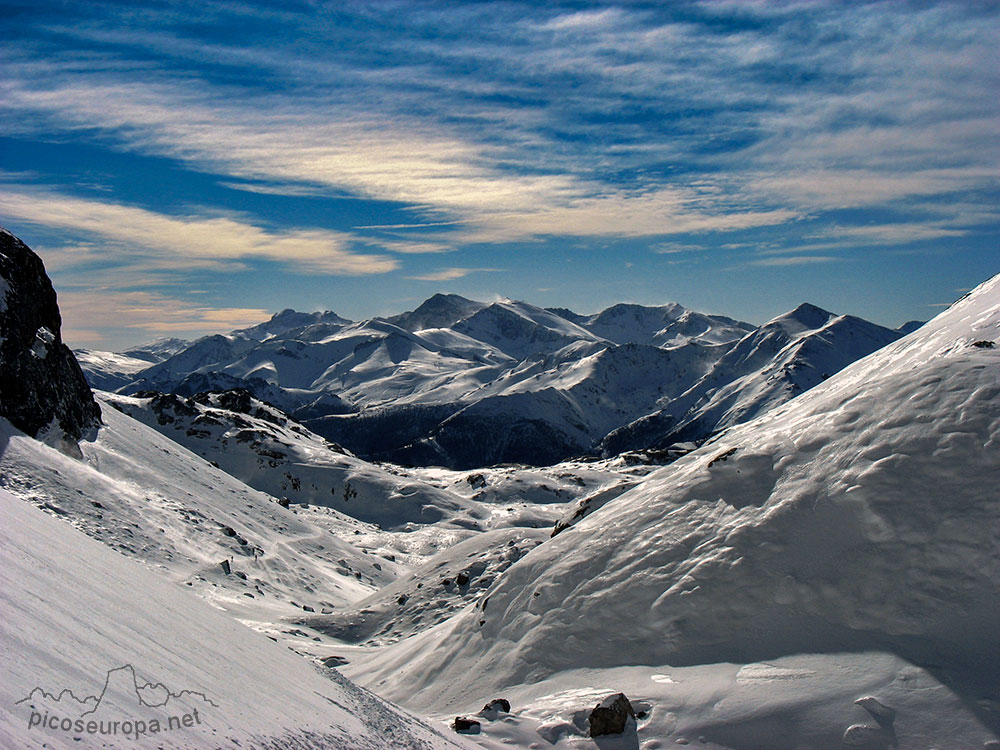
[
  {"x": 548, "y": 408},
  {"x": 439, "y": 311},
  {"x": 107, "y": 371},
  {"x": 667, "y": 325},
  {"x": 158, "y": 350},
  {"x": 859, "y": 516},
  {"x": 519, "y": 329},
  {"x": 465, "y": 384},
  {"x": 774, "y": 363},
  {"x": 87, "y": 620},
  {"x": 262, "y": 447}
]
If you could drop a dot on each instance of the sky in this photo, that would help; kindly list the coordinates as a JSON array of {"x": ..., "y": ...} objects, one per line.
[{"x": 189, "y": 168}]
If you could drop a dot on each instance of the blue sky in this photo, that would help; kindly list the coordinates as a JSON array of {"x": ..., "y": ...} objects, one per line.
[{"x": 185, "y": 168}]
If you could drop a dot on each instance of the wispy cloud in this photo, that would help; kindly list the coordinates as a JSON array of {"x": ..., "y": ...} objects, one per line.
[
  {"x": 493, "y": 120},
  {"x": 450, "y": 274},
  {"x": 893, "y": 234},
  {"x": 671, "y": 248},
  {"x": 87, "y": 316},
  {"x": 414, "y": 247},
  {"x": 182, "y": 241},
  {"x": 795, "y": 260}
]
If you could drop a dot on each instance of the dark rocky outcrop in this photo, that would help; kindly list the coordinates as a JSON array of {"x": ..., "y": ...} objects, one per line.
[
  {"x": 464, "y": 725},
  {"x": 41, "y": 383},
  {"x": 611, "y": 716},
  {"x": 495, "y": 708}
]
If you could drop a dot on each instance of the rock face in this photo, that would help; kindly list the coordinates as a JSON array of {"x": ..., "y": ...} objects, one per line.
[
  {"x": 611, "y": 716},
  {"x": 495, "y": 708},
  {"x": 40, "y": 380},
  {"x": 465, "y": 725}
]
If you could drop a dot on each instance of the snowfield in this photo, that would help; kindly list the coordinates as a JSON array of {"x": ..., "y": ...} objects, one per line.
[
  {"x": 859, "y": 518},
  {"x": 79, "y": 617}
]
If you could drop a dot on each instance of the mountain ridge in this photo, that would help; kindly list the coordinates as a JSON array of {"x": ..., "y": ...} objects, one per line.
[{"x": 439, "y": 366}]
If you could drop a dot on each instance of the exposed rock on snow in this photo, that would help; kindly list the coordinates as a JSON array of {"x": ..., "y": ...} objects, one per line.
[
  {"x": 465, "y": 725},
  {"x": 611, "y": 716},
  {"x": 41, "y": 384},
  {"x": 494, "y": 708}
]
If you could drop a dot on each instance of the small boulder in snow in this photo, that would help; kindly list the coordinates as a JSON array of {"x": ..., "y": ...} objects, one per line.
[
  {"x": 494, "y": 708},
  {"x": 464, "y": 725},
  {"x": 611, "y": 716}
]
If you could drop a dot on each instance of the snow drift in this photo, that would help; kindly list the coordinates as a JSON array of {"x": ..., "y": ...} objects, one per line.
[{"x": 859, "y": 516}]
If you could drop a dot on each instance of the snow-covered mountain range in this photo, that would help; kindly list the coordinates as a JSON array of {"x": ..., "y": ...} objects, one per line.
[
  {"x": 466, "y": 384},
  {"x": 815, "y": 566}
]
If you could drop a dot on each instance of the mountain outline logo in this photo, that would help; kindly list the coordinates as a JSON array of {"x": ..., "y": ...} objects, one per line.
[{"x": 150, "y": 695}]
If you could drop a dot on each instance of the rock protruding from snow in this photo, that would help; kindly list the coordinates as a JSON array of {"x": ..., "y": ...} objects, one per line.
[
  {"x": 613, "y": 715},
  {"x": 465, "y": 725},
  {"x": 41, "y": 384},
  {"x": 494, "y": 708}
]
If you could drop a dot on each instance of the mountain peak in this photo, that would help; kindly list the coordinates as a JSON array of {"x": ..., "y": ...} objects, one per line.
[
  {"x": 910, "y": 326},
  {"x": 438, "y": 311},
  {"x": 807, "y": 315}
]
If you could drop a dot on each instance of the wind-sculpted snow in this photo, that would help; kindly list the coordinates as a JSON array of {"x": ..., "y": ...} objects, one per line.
[
  {"x": 82, "y": 623},
  {"x": 859, "y": 516}
]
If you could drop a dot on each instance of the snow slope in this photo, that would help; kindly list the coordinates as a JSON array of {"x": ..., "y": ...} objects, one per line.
[
  {"x": 777, "y": 362},
  {"x": 264, "y": 448},
  {"x": 108, "y": 371},
  {"x": 148, "y": 498},
  {"x": 79, "y": 617},
  {"x": 859, "y": 517}
]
